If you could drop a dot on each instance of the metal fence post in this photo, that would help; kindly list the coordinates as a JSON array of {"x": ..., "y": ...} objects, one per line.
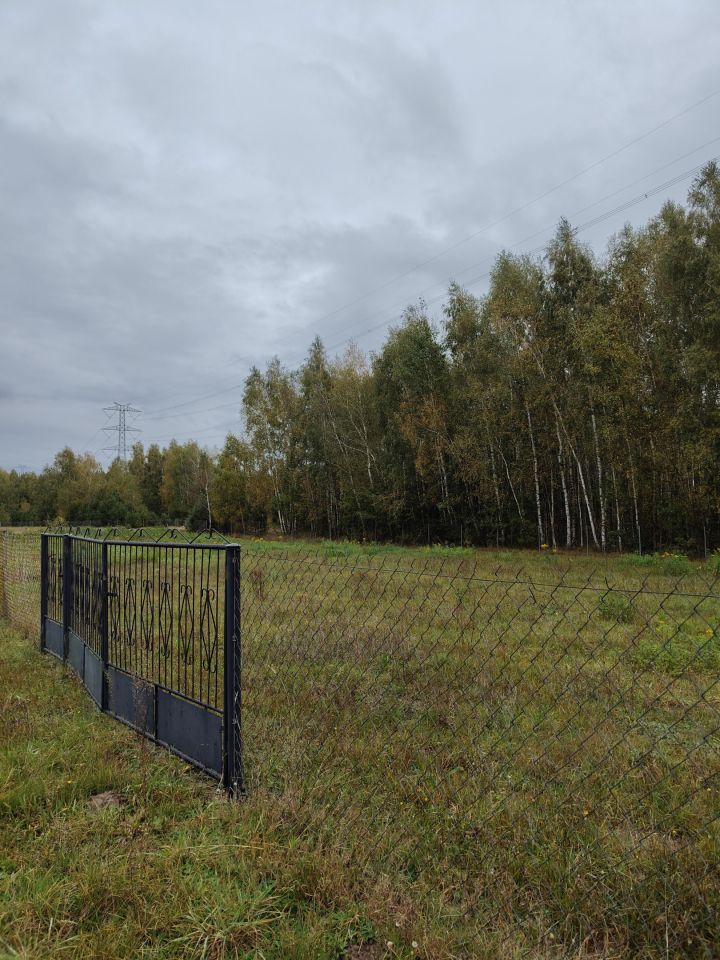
[
  {"x": 44, "y": 546},
  {"x": 232, "y": 766},
  {"x": 4, "y": 558},
  {"x": 104, "y": 652},
  {"x": 67, "y": 596}
]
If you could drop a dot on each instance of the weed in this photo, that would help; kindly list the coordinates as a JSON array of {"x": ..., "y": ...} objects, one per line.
[
  {"x": 675, "y": 564},
  {"x": 616, "y": 608}
]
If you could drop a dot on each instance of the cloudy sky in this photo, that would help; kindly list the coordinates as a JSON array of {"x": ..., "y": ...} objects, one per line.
[{"x": 190, "y": 188}]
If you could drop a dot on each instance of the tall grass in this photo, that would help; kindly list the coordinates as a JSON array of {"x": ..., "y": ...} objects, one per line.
[{"x": 506, "y": 754}]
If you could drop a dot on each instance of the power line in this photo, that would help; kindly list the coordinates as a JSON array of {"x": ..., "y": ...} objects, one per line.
[
  {"x": 192, "y": 413},
  {"x": 159, "y": 415},
  {"x": 596, "y": 163},
  {"x": 585, "y": 226},
  {"x": 613, "y": 193},
  {"x": 472, "y": 236},
  {"x": 523, "y": 206},
  {"x": 120, "y": 411},
  {"x": 198, "y": 433},
  {"x": 537, "y": 233},
  {"x": 87, "y": 443},
  {"x": 206, "y": 396}
]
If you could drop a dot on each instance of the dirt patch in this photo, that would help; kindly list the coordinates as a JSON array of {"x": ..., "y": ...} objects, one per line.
[
  {"x": 365, "y": 951},
  {"x": 101, "y": 801}
]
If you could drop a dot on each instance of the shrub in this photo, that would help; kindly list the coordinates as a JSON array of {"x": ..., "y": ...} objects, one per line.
[
  {"x": 616, "y": 608},
  {"x": 675, "y": 564},
  {"x": 680, "y": 652}
]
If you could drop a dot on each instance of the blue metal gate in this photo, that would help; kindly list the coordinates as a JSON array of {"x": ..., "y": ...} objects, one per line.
[{"x": 153, "y": 631}]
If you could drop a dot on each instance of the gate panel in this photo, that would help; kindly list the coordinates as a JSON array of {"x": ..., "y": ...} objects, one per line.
[
  {"x": 152, "y": 629},
  {"x": 131, "y": 701},
  {"x": 190, "y": 730},
  {"x": 93, "y": 676},
  {"x": 52, "y": 635},
  {"x": 76, "y": 653},
  {"x": 54, "y": 638}
]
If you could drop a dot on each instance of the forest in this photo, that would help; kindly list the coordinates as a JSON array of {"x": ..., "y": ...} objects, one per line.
[{"x": 575, "y": 405}]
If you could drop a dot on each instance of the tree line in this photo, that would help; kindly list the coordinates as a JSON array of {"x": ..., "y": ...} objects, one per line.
[{"x": 577, "y": 404}]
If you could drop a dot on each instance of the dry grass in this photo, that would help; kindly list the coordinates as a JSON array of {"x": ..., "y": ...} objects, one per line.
[
  {"x": 535, "y": 735},
  {"x": 440, "y": 749}
]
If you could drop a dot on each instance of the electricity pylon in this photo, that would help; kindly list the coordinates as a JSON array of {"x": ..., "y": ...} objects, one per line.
[{"x": 120, "y": 411}]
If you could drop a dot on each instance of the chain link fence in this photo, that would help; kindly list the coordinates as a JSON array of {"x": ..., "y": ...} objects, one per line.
[
  {"x": 20, "y": 579},
  {"x": 541, "y": 743}
]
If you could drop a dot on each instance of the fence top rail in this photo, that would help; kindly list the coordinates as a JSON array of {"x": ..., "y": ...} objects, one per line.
[
  {"x": 167, "y": 544},
  {"x": 125, "y": 536}
]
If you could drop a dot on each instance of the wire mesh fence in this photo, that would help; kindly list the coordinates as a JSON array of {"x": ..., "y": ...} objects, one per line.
[
  {"x": 540, "y": 741},
  {"x": 20, "y": 578},
  {"x": 551, "y": 741}
]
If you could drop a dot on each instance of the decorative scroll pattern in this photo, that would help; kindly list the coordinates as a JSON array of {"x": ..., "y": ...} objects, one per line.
[
  {"x": 208, "y": 630},
  {"x": 147, "y": 613},
  {"x": 55, "y": 579},
  {"x": 143, "y": 624},
  {"x": 87, "y": 596},
  {"x": 165, "y": 619},
  {"x": 186, "y": 626},
  {"x": 163, "y": 605},
  {"x": 130, "y": 611},
  {"x": 114, "y": 609}
]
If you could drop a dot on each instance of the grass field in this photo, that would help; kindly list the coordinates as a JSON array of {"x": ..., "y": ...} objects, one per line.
[
  {"x": 485, "y": 754},
  {"x": 535, "y": 734},
  {"x": 175, "y": 870}
]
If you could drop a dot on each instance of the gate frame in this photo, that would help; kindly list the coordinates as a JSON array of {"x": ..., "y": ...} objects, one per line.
[{"x": 230, "y": 774}]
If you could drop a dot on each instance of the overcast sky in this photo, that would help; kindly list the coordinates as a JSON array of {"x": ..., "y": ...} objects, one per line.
[{"x": 190, "y": 188}]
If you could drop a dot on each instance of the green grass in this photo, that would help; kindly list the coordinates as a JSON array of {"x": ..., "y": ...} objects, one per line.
[
  {"x": 177, "y": 870},
  {"x": 537, "y": 733},
  {"x": 492, "y": 754}
]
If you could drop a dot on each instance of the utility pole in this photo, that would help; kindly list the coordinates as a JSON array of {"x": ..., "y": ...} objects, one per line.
[{"x": 119, "y": 412}]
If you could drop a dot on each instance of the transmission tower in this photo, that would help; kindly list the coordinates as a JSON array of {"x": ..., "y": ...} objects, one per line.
[{"x": 119, "y": 412}]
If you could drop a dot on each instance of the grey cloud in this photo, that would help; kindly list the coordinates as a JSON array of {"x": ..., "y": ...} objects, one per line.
[{"x": 186, "y": 190}]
